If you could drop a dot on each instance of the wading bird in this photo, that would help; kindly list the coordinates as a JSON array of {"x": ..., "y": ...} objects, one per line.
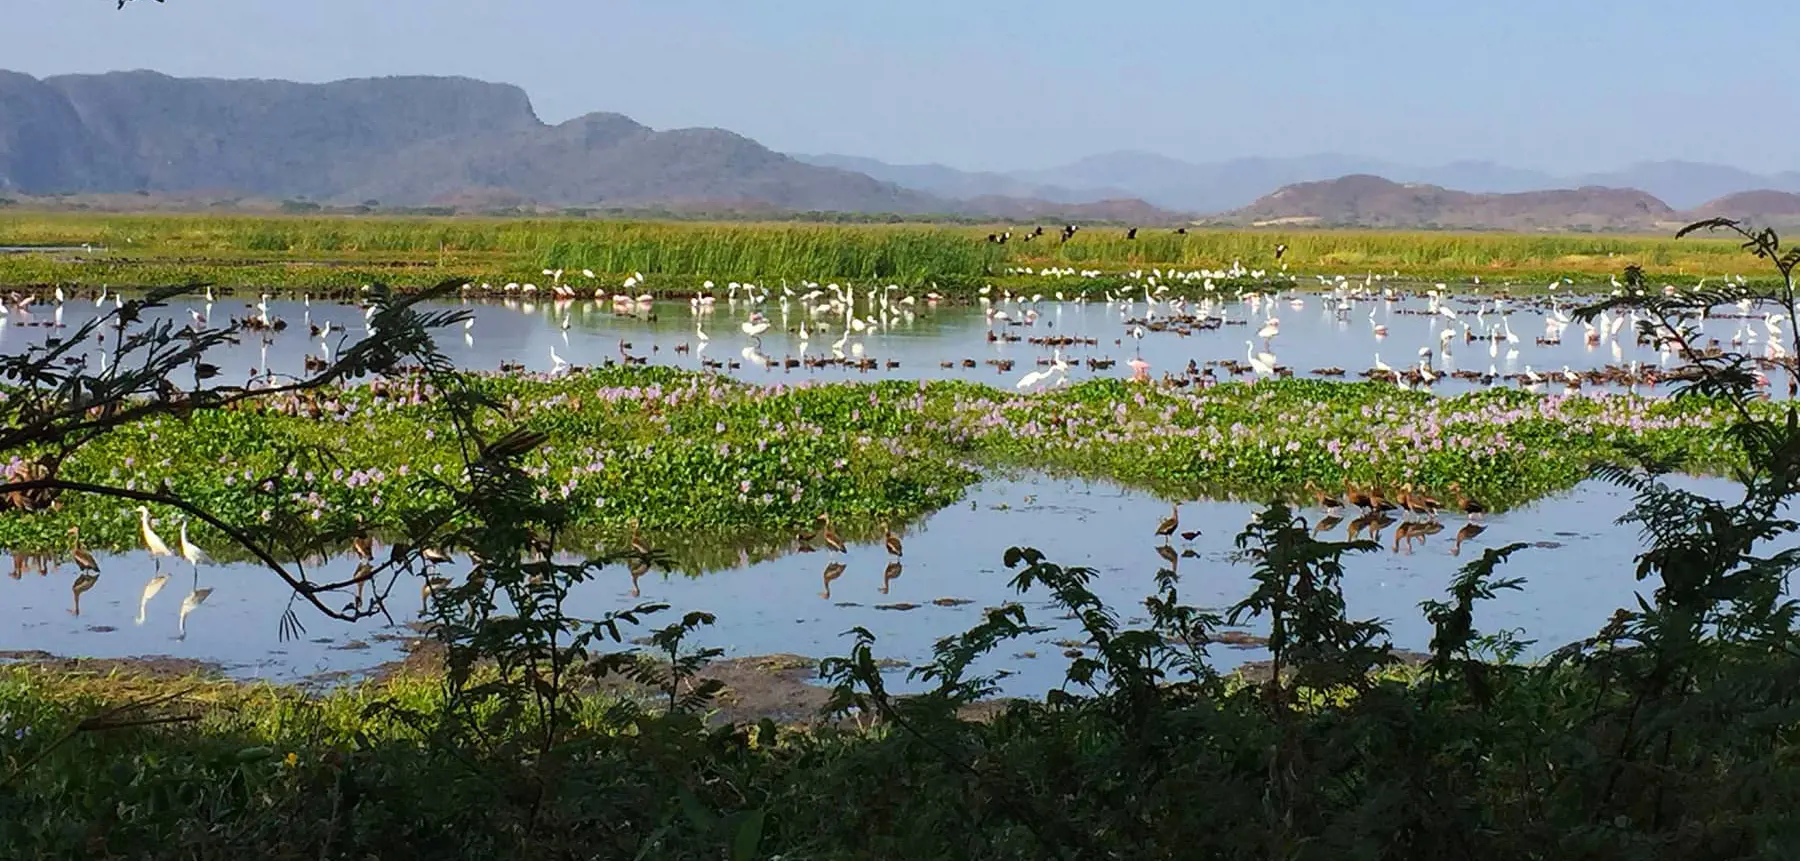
[
  {"x": 152, "y": 541},
  {"x": 84, "y": 561},
  {"x": 829, "y": 535},
  {"x": 1169, "y": 524},
  {"x": 192, "y": 552}
]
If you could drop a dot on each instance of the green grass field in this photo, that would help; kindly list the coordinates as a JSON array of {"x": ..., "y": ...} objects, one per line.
[{"x": 318, "y": 252}]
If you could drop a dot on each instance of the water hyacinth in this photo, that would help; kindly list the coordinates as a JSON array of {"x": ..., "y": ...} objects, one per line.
[{"x": 708, "y": 456}]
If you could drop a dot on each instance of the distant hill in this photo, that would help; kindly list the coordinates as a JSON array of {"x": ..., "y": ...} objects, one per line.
[
  {"x": 949, "y": 182},
  {"x": 1372, "y": 201},
  {"x": 411, "y": 140},
  {"x": 1763, "y": 206},
  {"x": 1686, "y": 184},
  {"x": 1220, "y": 186}
]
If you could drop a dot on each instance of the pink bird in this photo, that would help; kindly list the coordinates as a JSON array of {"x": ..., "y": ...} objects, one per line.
[{"x": 1140, "y": 370}]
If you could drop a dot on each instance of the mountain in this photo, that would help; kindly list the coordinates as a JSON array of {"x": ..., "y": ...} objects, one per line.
[
  {"x": 1687, "y": 184},
  {"x": 1762, "y": 206},
  {"x": 1209, "y": 187},
  {"x": 945, "y": 181},
  {"x": 404, "y": 140},
  {"x": 1175, "y": 184},
  {"x": 1226, "y": 185},
  {"x": 1372, "y": 201}
]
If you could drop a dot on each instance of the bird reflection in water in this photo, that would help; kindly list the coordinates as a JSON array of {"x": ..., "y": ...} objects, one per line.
[{"x": 833, "y": 570}]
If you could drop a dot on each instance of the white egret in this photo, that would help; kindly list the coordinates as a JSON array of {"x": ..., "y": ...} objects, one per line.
[{"x": 152, "y": 542}]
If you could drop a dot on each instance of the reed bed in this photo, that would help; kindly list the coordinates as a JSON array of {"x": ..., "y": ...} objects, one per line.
[{"x": 521, "y": 248}]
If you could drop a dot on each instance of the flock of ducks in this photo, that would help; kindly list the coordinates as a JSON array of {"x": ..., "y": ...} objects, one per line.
[
  {"x": 1417, "y": 511},
  {"x": 1375, "y": 509}
]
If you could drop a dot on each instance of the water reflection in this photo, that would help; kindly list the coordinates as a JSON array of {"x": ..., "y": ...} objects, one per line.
[{"x": 1580, "y": 571}]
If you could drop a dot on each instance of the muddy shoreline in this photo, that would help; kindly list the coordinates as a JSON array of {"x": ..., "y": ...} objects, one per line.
[{"x": 779, "y": 687}]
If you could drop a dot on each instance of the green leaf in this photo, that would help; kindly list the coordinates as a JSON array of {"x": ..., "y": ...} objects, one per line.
[{"x": 748, "y": 835}]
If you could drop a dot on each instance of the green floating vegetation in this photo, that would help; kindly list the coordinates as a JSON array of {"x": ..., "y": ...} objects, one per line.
[
  {"x": 318, "y": 253},
  {"x": 698, "y": 459}
]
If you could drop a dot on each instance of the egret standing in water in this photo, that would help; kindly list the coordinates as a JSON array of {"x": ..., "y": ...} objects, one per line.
[
  {"x": 152, "y": 541},
  {"x": 754, "y": 327},
  {"x": 192, "y": 553}
]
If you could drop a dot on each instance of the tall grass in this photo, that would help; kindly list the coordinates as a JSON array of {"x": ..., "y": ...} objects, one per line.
[
  {"x": 750, "y": 250},
  {"x": 1380, "y": 251}
]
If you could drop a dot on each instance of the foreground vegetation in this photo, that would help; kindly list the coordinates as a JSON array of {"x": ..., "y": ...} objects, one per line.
[
  {"x": 319, "y": 254},
  {"x": 705, "y": 464},
  {"x": 1645, "y": 742}
]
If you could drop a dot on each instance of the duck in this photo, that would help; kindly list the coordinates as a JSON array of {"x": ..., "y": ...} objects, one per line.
[{"x": 1169, "y": 524}]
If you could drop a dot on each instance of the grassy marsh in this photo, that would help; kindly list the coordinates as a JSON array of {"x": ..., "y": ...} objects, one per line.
[{"x": 318, "y": 253}]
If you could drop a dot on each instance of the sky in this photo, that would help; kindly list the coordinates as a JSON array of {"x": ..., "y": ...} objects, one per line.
[{"x": 1561, "y": 86}]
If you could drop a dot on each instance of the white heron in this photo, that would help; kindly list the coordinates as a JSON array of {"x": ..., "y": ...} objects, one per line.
[
  {"x": 192, "y": 552},
  {"x": 152, "y": 542},
  {"x": 1262, "y": 363}
]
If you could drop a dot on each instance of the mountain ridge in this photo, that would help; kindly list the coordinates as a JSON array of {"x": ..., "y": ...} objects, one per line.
[
  {"x": 1362, "y": 200},
  {"x": 1229, "y": 184},
  {"x": 409, "y": 140}
]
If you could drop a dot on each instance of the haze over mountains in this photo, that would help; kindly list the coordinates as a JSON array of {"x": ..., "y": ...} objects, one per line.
[
  {"x": 1221, "y": 186},
  {"x": 459, "y": 141}
]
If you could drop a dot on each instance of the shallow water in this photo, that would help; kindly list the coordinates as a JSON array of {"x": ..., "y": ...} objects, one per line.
[
  {"x": 1314, "y": 334},
  {"x": 1581, "y": 574}
]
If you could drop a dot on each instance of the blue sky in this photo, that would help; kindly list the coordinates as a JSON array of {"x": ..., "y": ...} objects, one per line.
[{"x": 1565, "y": 86}]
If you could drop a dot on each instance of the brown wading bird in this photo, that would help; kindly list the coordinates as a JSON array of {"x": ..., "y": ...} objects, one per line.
[
  {"x": 1429, "y": 504},
  {"x": 1357, "y": 498},
  {"x": 1473, "y": 509},
  {"x": 1378, "y": 501},
  {"x": 362, "y": 545},
  {"x": 829, "y": 535},
  {"x": 83, "y": 559},
  {"x": 1326, "y": 501},
  {"x": 1169, "y": 524},
  {"x": 638, "y": 545},
  {"x": 1411, "y": 502},
  {"x": 892, "y": 541}
]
